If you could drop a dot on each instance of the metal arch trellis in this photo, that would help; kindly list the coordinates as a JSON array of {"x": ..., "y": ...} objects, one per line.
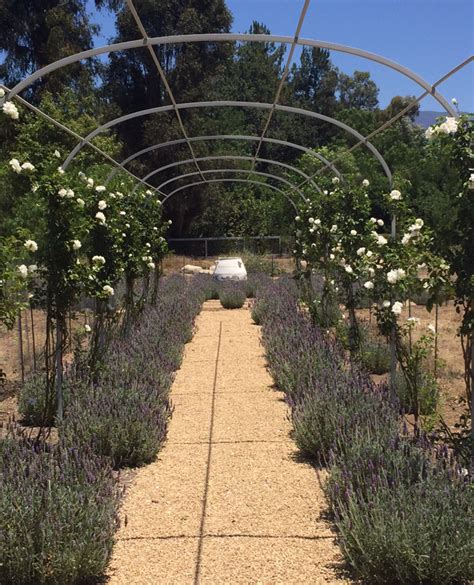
[
  {"x": 232, "y": 157},
  {"x": 245, "y": 171},
  {"x": 233, "y": 180},
  {"x": 232, "y": 103},
  {"x": 226, "y": 37},
  {"x": 305, "y": 149}
]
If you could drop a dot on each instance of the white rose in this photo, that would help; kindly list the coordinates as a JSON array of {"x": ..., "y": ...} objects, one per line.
[
  {"x": 80, "y": 202},
  {"x": 23, "y": 270},
  {"x": 369, "y": 285},
  {"x": 151, "y": 265},
  {"x": 31, "y": 245},
  {"x": 333, "y": 228},
  {"x": 108, "y": 290},
  {"x": 61, "y": 171},
  {"x": 381, "y": 241},
  {"x": 10, "y": 110},
  {"x": 101, "y": 217},
  {"x": 297, "y": 218},
  {"x": 392, "y": 276},
  {"x": 373, "y": 220},
  {"x": 431, "y": 328},
  {"x": 87, "y": 328},
  {"x": 353, "y": 233},
  {"x": 395, "y": 195},
  {"x": 311, "y": 220},
  {"x": 318, "y": 221},
  {"x": 99, "y": 260},
  {"x": 406, "y": 238},
  {"x": 365, "y": 183},
  {"x": 76, "y": 244},
  {"x": 15, "y": 165},
  {"x": 413, "y": 321},
  {"x": 335, "y": 180},
  {"x": 27, "y": 166},
  {"x": 348, "y": 269},
  {"x": 386, "y": 304},
  {"x": 57, "y": 154},
  {"x": 360, "y": 251},
  {"x": 102, "y": 205},
  {"x": 62, "y": 192},
  {"x": 100, "y": 188},
  {"x": 331, "y": 256},
  {"x": 369, "y": 253},
  {"x": 380, "y": 222},
  {"x": 70, "y": 194},
  {"x": 397, "y": 308},
  {"x": 32, "y": 268},
  {"x": 90, "y": 183}
]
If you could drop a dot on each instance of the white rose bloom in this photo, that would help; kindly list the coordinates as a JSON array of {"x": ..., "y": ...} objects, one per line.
[
  {"x": 333, "y": 228},
  {"x": 108, "y": 290},
  {"x": 90, "y": 183},
  {"x": 34, "y": 187},
  {"x": 381, "y": 241},
  {"x": 392, "y": 276},
  {"x": 31, "y": 245},
  {"x": 406, "y": 238},
  {"x": 369, "y": 285},
  {"x": 101, "y": 217},
  {"x": 76, "y": 244},
  {"x": 431, "y": 328},
  {"x": 170, "y": 222},
  {"x": 397, "y": 308},
  {"x": 23, "y": 270},
  {"x": 148, "y": 192},
  {"x": 318, "y": 221},
  {"x": 151, "y": 265},
  {"x": 102, "y": 204},
  {"x": 380, "y": 222},
  {"x": 311, "y": 220},
  {"x": 429, "y": 133},
  {"x": 311, "y": 231},
  {"x": 123, "y": 213},
  {"x": 61, "y": 171},
  {"x": 353, "y": 233},
  {"x": 70, "y": 194},
  {"x": 419, "y": 222},
  {"x": 365, "y": 183},
  {"x": 99, "y": 260},
  {"x": 395, "y": 195},
  {"x": 325, "y": 192},
  {"x": 87, "y": 328},
  {"x": 32, "y": 268},
  {"x": 57, "y": 154},
  {"x": 348, "y": 269},
  {"x": 369, "y": 253},
  {"x": 82, "y": 175},
  {"x": 10, "y": 110},
  {"x": 100, "y": 188},
  {"x": 360, "y": 251},
  {"x": 413, "y": 321},
  {"x": 386, "y": 304},
  {"x": 62, "y": 192},
  {"x": 400, "y": 273},
  {"x": 331, "y": 256},
  {"x": 112, "y": 195},
  {"x": 335, "y": 180},
  {"x": 373, "y": 220},
  {"x": 371, "y": 271},
  {"x": 80, "y": 202},
  {"x": 27, "y": 166},
  {"x": 15, "y": 165},
  {"x": 451, "y": 125},
  {"x": 297, "y": 218}
]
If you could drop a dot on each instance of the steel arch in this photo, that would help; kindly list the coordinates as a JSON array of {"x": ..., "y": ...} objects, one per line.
[
  {"x": 232, "y": 157},
  {"x": 246, "y": 171},
  {"x": 224, "y": 180},
  {"x": 226, "y": 37},
  {"x": 231, "y": 103},
  {"x": 135, "y": 155}
]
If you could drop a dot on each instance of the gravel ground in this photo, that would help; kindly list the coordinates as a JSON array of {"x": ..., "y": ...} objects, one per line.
[{"x": 227, "y": 501}]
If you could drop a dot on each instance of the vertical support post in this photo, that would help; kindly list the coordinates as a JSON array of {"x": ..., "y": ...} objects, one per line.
[
  {"x": 205, "y": 248},
  {"x": 59, "y": 370},
  {"x": 20, "y": 347},
  {"x": 33, "y": 338},
  {"x": 393, "y": 351},
  {"x": 435, "y": 368}
]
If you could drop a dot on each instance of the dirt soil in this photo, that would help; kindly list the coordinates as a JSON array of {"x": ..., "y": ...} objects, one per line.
[{"x": 227, "y": 501}]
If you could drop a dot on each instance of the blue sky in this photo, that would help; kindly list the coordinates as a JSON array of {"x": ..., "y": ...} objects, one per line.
[{"x": 428, "y": 36}]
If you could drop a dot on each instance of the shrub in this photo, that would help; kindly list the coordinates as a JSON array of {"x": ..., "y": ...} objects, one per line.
[
  {"x": 255, "y": 263},
  {"x": 232, "y": 297},
  {"x": 374, "y": 355},
  {"x": 124, "y": 413},
  {"x": 32, "y": 402},
  {"x": 58, "y": 514},
  {"x": 208, "y": 285},
  {"x": 410, "y": 533},
  {"x": 428, "y": 393}
]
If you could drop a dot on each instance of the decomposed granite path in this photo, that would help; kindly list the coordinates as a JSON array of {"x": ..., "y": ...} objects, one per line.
[{"x": 226, "y": 502}]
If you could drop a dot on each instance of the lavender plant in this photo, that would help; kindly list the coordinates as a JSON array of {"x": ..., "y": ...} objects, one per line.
[{"x": 58, "y": 514}]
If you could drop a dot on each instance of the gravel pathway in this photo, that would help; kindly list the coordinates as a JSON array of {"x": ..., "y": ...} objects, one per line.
[{"x": 226, "y": 502}]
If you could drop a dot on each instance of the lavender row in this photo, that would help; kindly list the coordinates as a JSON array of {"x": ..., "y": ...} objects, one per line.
[{"x": 402, "y": 506}]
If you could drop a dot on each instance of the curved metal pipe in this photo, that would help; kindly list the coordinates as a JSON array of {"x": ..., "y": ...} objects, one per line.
[
  {"x": 135, "y": 155},
  {"x": 224, "y": 180},
  {"x": 245, "y": 171},
  {"x": 226, "y": 37},
  {"x": 233, "y": 157},
  {"x": 231, "y": 103}
]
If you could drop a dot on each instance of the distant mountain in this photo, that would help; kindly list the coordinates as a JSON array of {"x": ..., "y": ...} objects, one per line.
[{"x": 428, "y": 118}]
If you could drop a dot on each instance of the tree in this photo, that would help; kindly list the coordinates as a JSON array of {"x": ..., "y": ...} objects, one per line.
[
  {"x": 358, "y": 91},
  {"x": 36, "y": 34}
]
